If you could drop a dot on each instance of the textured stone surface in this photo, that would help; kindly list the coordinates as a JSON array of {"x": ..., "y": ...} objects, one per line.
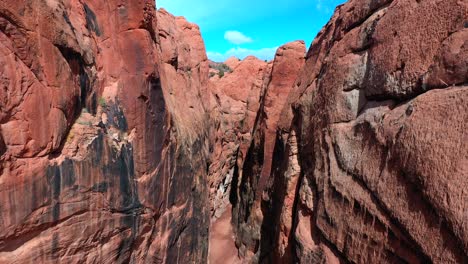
[
  {"x": 120, "y": 142},
  {"x": 237, "y": 101},
  {"x": 366, "y": 161},
  {"x": 250, "y": 101},
  {"x": 379, "y": 112},
  {"x": 103, "y": 134}
]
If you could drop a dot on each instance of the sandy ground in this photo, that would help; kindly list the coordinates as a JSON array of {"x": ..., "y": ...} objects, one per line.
[{"x": 222, "y": 247}]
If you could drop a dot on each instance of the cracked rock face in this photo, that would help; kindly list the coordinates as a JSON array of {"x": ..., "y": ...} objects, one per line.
[
  {"x": 379, "y": 113},
  {"x": 102, "y": 159},
  {"x": 120, "y": 142},
  {"x": 250, "y": 99},
  {"x": 367, "y": 160}
]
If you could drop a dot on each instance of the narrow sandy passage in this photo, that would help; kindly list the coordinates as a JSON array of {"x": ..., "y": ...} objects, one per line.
[{"x": 222, "y": 246}]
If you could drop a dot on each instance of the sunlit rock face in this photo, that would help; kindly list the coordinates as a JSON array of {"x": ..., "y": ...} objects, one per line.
[
  {"x": 250, "y": 97},
  {"x": 366, "y": 161},
  {"x": 120, "y": 142},
  {"x": 103, "y": 134},
  {"x": 374, "y": 158}
]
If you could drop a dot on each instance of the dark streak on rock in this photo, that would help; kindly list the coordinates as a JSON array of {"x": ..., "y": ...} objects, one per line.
[{"x": 91, "y": 20}]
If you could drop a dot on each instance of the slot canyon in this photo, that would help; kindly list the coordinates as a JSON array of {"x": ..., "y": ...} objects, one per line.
[{"x": 121, "y": 142}]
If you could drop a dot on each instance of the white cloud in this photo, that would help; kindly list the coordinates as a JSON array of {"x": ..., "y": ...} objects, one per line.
[
  {"x": 236, "y": 37},
  {"x": 323, "y": 7},
  {"x": 241, "y": 53}
]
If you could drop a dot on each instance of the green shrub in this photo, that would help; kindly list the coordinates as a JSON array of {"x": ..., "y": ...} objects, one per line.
[
  {"x": 225, "y": 68},
  {"x": 221, "y": 67},
  {"x": 102, "y": 102}
]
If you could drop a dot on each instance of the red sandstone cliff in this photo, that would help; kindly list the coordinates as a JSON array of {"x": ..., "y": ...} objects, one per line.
[
  {"x": 120, "y": 143},
  {"x": 376, "y": 150},
  {"x": 370, "y": 155},
  {"x": 250, "y": 99},
  {"x": 103, "y": 160}
]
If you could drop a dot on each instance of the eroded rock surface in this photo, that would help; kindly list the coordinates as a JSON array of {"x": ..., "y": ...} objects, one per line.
[
  {"x": 103, "y": 134},
  {"x": 237, "y": 97},
  {"x": 379, "y": 114},
  {"x": 249, "y": 97},
  {"x": 366, "y": 161},
  {"x": 120, "y": 142}
]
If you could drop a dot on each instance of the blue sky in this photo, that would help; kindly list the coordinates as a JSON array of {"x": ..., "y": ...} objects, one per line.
[{"x": 252, "y": 27}]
